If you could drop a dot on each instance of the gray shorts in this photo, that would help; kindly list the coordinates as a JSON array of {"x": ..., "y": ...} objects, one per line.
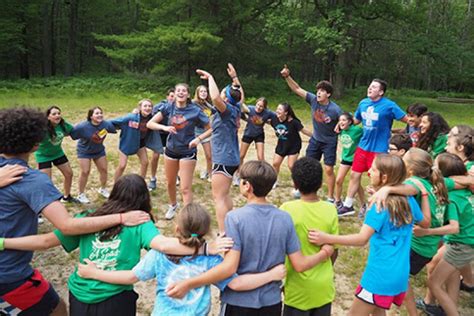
[{"x": 458, "y": 255}]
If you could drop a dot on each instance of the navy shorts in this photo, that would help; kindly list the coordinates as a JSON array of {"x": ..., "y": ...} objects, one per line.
[
  {"x": 258, "y": 139},
  {"x": 318, "y": 149}
]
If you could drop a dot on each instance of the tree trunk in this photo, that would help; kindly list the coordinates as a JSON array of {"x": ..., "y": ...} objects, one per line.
[{"x": 72, "y": 36}]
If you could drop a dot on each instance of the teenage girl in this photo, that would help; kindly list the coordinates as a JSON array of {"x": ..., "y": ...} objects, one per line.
[
  {"x": 116, "y": 248},
  {"x": 433, "y": 133},
  {"x": 51, "y": 153},
  {"x": 203, "y": 100},
  {"x": 287, "y": 129},
  {"x": 349, "y": 138},
  {"x": 389, "y": 231},
  {"x": 135, "y": 137},
  {"x": 192, "y": 224},
  {"x": 91, "y": 134},
  {"x": 180, "y": 153},
  {"x": 224, "y": 141}
]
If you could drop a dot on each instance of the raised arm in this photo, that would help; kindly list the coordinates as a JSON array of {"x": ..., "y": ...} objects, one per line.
[
  {"x": 294, "y": 86},
  {"x": 32, "y": 242},
  {"x": 302, "y": 263},
  {"x": 235, "y": 81},
  {"x": 213, "y": 90},
  {"x": 252, "y": 281}
]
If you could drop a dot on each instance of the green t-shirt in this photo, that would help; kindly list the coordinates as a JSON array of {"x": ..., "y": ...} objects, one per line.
[
  {"x": 427, "y": 246},
  {"x": 350, "y": 140},
  {"x": 120, "y": 253},
  {"x": 438, "y": 146},
  {"x": 460, "y": 210},
  {"x": 315, "y": 287},
  {"x": 50, "y": 148},
  {"x": 470, "y": 168}
]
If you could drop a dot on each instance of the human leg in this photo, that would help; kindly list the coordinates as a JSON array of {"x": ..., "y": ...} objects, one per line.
[
  {"x": 123, "y": 159},
  {"x": 186, "y": 171},
  {"x": 143, "y": 158},
  {"x": 66, "y": 170},
  {"x": 221, "y": 193},
  {"x": 85, "y": 166}
]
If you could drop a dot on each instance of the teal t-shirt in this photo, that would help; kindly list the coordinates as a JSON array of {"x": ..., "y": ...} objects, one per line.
[
  {"x": 122, "y": 252},
  {"x": 349, "y": 139},
  {"x": 460, "y": 210},
  {"x": 50, "y": 148}
]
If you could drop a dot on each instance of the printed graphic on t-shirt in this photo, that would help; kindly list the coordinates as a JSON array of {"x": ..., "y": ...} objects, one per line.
[
  {"x": 281, "y": 131},
  {"x": 104, "y": 253},
  {"x": 58, "y": 139},
  {"x": 370, "y": 117},
  {"x": 133, "y": 124},
  {"x": 414, "y": 136},
  {"x": 182, "y": 273},
  {"x": 256, "y": 120},
  {"x": 321, "y": 117},
  {"x": 346, "y": 141},
  {"x": 99, "y": 136},
  {"x": 178, "y": 121}
]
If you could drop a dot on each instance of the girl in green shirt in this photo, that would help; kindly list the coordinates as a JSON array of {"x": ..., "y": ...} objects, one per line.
[{"x": 433, "y": 133}]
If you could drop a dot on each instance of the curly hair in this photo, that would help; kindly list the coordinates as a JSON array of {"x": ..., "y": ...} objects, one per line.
[
  {"x": 307, "y": 175},
  {"x": 21, "y": 129},
  {"x": 438, "y": 126}
]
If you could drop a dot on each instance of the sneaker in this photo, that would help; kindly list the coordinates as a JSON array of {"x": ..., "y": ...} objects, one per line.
[
  {"x": 330, "y": 200},
  {"x": 82, "y": 198},
  {"x": 296, "y": 194},
  {"x": 171, "y": 211},
  {"x": 104, "y": 192},
  {"x": 236, "y": 181},
  {"x": 152, "y": 184},
  {"x": 345, "y": 211},
  {"x": 275, "y": 185},
  {"x": 466, "y": 288},
  {"x": 338, "y": 205},
  {"x": 434, "y": 310},
  {"x": 69, "y": 199},
  {"x": 362, "y": 211},
  {"x": 178, "y": 181},
  {"x": 203, "y": 175},
  {"x": 40, "y": 220}
]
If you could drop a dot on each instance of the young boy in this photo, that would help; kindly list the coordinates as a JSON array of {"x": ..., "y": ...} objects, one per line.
[
  {"x": 414, "y": 113},
  {"x": 325, "y": 114},
  {"x": 22, "y": 288},
  {"x": 312, "y": 292},
  {"x": 263, "y": 235},
  {"x": 399, "y": 144}
]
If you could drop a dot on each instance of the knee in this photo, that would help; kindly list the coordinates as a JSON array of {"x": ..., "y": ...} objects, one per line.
[
  {"x": 329, "y": 171},
  {"x": 339, "y": 181},
  {"x": 85, "y": 173},
  {"x": 68, "y": 173}
]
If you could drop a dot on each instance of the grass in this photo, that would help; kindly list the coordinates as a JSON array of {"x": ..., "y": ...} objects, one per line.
[{"x": 117, "y": 97}]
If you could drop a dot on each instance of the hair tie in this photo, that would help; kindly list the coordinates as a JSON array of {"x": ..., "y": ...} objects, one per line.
[{"x": 194, "y": 235}]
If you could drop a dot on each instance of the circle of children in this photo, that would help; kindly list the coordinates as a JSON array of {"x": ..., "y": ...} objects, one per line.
[{"x": 421, "y": 212}]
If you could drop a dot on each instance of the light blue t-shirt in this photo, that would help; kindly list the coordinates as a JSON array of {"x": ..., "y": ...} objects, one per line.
[
  {"x": 388, "y": 264},
  {"x": 91, "y": 138},
  {"x": 20, "y": 204},
  {"x": 377, "y": 118},
  {"x": 256, "y": 121},
  {"x": 185, "y": 120},
  {"x": 224, "y": 140},
  {"x": 264, "y": 235},
  {"x": 197, "y": 301},
  {"x": 325, "y": 118}
]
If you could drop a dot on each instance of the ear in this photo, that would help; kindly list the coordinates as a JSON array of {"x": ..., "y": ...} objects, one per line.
[
  {"x": 384, "y": 178},
  {"x": 460, "y": 148},
  {"x": 403, "y": 151}
]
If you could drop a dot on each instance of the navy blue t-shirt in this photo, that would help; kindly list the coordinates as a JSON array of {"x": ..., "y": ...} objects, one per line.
[
  {"x": 256, "y": 121},
  {"x": 20, "y": 204},
  {"x": 91, "y": 138},
  {"x": 325, "y": 118}
]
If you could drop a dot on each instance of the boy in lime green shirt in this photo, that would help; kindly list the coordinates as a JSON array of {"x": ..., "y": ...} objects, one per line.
[{"x": 312, "y": 291}]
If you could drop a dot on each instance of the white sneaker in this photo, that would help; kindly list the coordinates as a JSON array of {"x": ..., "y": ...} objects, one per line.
[
  {"x": 82, "y": 198},
  {"x": 296, "y": 194},
  {"x": 275, "y": 185},
  {"x": 178, "y": 181},
  {"x": 40, "y": 220},
  {"x": 104, "y": 192},
  {"x": 236, "y": 180},
  {"x": 171, "y": 211},
  {"x": 203, "y": 175}
]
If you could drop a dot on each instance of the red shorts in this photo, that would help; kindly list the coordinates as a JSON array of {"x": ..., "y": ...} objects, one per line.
[
  {"x": 382, "y": 301},
  {"x": 363, "y": 160}
]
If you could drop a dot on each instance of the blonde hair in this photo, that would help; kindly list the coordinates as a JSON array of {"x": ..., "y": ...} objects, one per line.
[
  {"x": 140, "y": 103},
  {"x": 419, "y": 163}
]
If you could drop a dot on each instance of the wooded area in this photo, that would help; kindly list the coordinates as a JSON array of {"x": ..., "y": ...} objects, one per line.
[{"x": 420, "y": 44}]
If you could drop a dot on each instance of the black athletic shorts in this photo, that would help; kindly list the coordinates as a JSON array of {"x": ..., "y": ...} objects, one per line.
[
  {"x": 417, "y": 262},
  {"x": 57, "y": 162},
  {"x": 228, "y": 171},
  {"x": 177, "y": 156},
  {"x": 232, "y": 310},
  {"x": 258, "y": 139},
  {"x": 122, "y": 304}
]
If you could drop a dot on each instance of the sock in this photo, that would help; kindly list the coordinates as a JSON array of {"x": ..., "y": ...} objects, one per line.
[
  {"x": 153, "y": 178},
  {"x": 348, "y": 202}
]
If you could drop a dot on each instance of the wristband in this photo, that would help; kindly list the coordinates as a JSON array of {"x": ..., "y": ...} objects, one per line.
[
  {"x": 199, "y": 139},
  {"x": 2, "y": 244},
  {"x": 424, "y": 194}
]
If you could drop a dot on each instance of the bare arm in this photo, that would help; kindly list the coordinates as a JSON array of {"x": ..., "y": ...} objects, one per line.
[
  {"x": 462, "y": 182},
  {"x": 302, "y": 263},
  {"x": 213, "y": 90},
  {"x": 358, "y": 240},
  {"x": 451, "y": 228},
  {"x": 90, "y": 271},
  {"x": 198, "y": 139},
  {"x": 404, "y": 119},
  {"x": 235, "y": 81},
  {"x": 32, "y": 242},
  {"x": 381, "y": 195},
  {"x": 294, "y": 86},
  {"x": 154, "y": 124},
  {"x": 306, "y": 132},
  {"x": 172, "y": 246},
  {"x": 57, "y": 214},
  {"x": 425, "y": 204},
  {"x": 252, "y": 281}
]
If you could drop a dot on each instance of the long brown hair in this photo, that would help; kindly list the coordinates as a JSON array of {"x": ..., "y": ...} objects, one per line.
[
  {"x": 394, "y": 169},
  {"x": 130, "y": 192},
  {"x": 62, "y": 124},
  {"x": 419, "y": 163}
]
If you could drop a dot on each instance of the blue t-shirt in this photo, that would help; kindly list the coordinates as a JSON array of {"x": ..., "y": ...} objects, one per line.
[
  {"x": 325, "y": 118},
  {"x": 256, "y": 121},
  {"x": 91, "y": 138},
  {"x": 185, "y": 120},
  {"x": 388, "y": 264},
  {"x": 197, "y": 301},
  {"x": 20, "y": 204},
  {"x": 264, "y": 235},
  {"x": 377, "y": 118},
  {"x": 224, "y": 140}
]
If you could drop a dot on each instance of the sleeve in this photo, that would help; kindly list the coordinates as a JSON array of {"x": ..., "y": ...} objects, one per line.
[
  {"x": 76, "y": 132},
  {"x": 451, "y": 213},
  {"x": 439, "y": 145},
  {"x": 213, "y": 261},
  {"x": 450, "y": 184},
  {"x": 232, "y": 231},
  {"x": 110, "y": 127},
  {"x": 357, "y": 113},
  {"x": 202, "y": 118},
  {"x": 298, "y": 125},
  {"x": 358, "y": 134},
  {"x": 148, "y": 231},
  {"x": 68, "y": 127},
  {"x": 165, "y": 109},
  {"x": 397, "y": 112},
  {"x": 69, "y": 243},
  {"x": 310, "y": 97},
  {"x": 38, "y": 193},
  {"x": 415, "y": 209},
  {"x": 145, "y": 269},
  {"x": 374, "y": 219},
  {"x": 292, "y": 241},
  {"x": 409, "y": 182},
  {"x": 120, "y": 121}
]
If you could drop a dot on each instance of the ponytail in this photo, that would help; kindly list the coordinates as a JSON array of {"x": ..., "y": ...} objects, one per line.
[{"x": 440, "y": 190}]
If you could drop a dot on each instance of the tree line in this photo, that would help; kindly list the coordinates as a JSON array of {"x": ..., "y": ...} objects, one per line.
[{"x": 419, "y": 44}]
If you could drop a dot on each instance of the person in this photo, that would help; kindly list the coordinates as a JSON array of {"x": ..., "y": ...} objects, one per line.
[
  {"x": 91, "y": 134},
  {"x": 21, "y": 202},
  {"x": 389, "y": 231},
  {"x": 224, "y": 141},
  {"x": 259, "y": 230},
  {"x": 376, "y": 112},
  {"x": 287, "y": 129},
  {"x": 50, "y": 151},
  {"x": 414, "y": 114},
  {"x": 155, "y": 158},
  {"x": 135, "y": 137},
  {"x": 311, "y": 292},
  {"x": 433, "y": 133},
  {"x": 325, "y": 116},
  {"x": 350, "y": 135},
  {"x": 180, "y": 153},
  {"x": 203, "y": 100},
  {"x": 193, "y": 223},
  {"x": 399, "y": 144},
  {"x": 112, "y": 249}
]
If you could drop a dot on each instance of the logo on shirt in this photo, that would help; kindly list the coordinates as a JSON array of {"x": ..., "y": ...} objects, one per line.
[
  {"x": 346, "y": 141},
  {"x": 99, "y": 136},
  {"x": 256, "y": 120},
  {"x": 370, "y": 116},
  {"x": 184, "y": 272},
  {"x": 104, "y": 253},
  {"x": 179, "y": 121},
  {"x": 58, "y": 139},
  {"x": 321, "y": 117},
  {"x": 281, "y": 131},
  {"x": 133, "y": 124}
]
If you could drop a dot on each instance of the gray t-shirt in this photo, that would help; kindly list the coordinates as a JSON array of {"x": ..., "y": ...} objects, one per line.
[
  {"x": 325, "y": 118},
  {"x": 264, "y": 235}
]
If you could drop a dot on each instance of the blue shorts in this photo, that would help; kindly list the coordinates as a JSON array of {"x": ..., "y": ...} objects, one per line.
[
  {"x": 90, "y": 156},
  {"x": 317, "y": 149}
]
